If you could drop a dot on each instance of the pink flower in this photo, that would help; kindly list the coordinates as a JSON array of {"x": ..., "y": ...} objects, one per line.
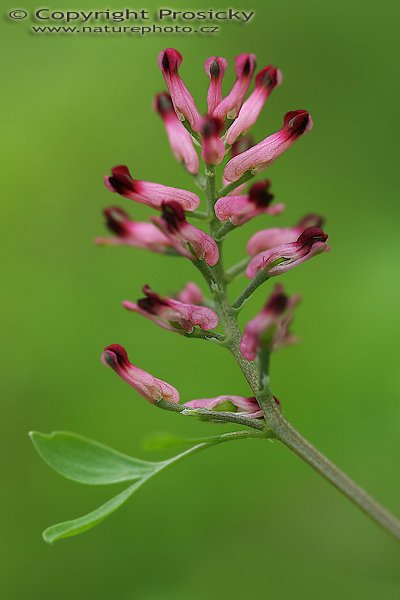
[
  {"x": 152, "y": 194},
  {"x": 172, "y": 314},
  {"x": 282, "y": 258},
  {"x": 132, "y": 233},
  {"x": 169, "y": 61},
  {"x": 248, "y": 407},
  {"x": 240, "y": 209},
  {"x": 270, "y": 328},
  {"x": 269, "y": 238},
  {"x": 191, "y": 294},
  {"x": 213, "y": 149},
  {"x": 215, "y": 68},
  {"x": 179, "y": 138},
  {"x": 231, "y": 104},
  {"x": 187, "y": 239},
  {"x": 149, "y": 387},
  {"x": 295, "y": 123},
  {"x": 266, "y": 80},
  {"x": 241, "y": 145}
]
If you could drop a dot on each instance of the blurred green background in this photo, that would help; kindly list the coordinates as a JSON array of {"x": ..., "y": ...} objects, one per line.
[{"x": 246, "y": 520}]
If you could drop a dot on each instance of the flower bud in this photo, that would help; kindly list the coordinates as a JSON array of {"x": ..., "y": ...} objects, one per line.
[
  {"x": 261, "y": 155},
  {"x": 152, "y": 194},
  {"x": 240, "y": 209},
  {"x": 169, "y": 61},
  {"x": 231, "y": 104},
  {"x": 213, "y": 150},
  {"x": 248, "y": 407},
  {"x": 215, "y": 67},
  {"x": 149, "y": 387},
  {"x": 179, "y": 138},
  {"x": 266, "y": 81},
  {"x": 283, "y": 258}
]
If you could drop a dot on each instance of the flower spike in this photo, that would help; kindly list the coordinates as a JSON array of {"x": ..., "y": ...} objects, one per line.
[
  {"x": 248, "y": 407},
  {"x": 187, "y": 239},
  {"x": 152, "y": 194},
  {"x": 215, "y": 67},
  {"x": 295, "y": 123},
  {"x": 283, "y": 258},
  {"x": 169, "y": 61},
  {"x": 132, "y": 233},
  {"x": 266, "y": 81},
  {"x": 172, "y": 314},
  {"x": 231, "y": 104},
  {"x": 213, "y": 147},
  {"x": 240, "y": 209},
  {"x": 149, "y": 387},
  {"x": 179, "y": 138},
  {"x": 270, "y": 328},
  {"x": 276, "y": 236}
]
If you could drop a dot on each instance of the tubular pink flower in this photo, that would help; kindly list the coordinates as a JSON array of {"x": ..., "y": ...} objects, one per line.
[
  {"x": 231, "y": 104},
  {"x": 240, "y": 209},
  {"x": 179, "y": 138},
  {"x": 248, "y": 407},
  {"x": 152, "y": 194},
  {"x": 213, "y": 149},
  {"x": 149, "y": 387},
  {"x": 169, "y": 61},
  {"x": 295, "y": 123},
  {"x": 132, "y": 233},
  {"x": 270, "y": 328},
  {"x": 241, "y": 145},
  {"x": 191, "y": 294},
  {"x": 172, "y": 314},
  {"x": 276, "y": 236},
  {"x": 187, "y": 239},
  {"x": 283, "y": 258},
  {"x": 266, "y": 81},
  {"x": 215, "y": 67}
]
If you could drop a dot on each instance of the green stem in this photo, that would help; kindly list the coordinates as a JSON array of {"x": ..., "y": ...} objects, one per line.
[
  {"x": 224, "y": 230},
  {"x": 237, "y": 269},
  {"x": 258, "y": 280},
  {"x": 198, "y": 215},
  {"x": 232, "y": 186}
]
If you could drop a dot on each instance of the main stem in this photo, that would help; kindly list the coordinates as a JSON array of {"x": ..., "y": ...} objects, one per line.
[{"x": 275, "y": 422}]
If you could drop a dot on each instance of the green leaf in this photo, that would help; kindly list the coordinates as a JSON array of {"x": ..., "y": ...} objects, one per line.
[
  {"x": 86, "y": 461},
  {"x": 76, "y": 526}
]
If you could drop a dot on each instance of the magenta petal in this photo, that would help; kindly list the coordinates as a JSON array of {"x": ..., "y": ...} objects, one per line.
[
  {"x": 231, "y": 104},
  {"x": 287, "y": 256},
  {"x": 295, "y": 124},
  {"x": 191, "y": 294},
  {"x": 215, "y": 68},
  {"x": 149, "y": 387},
  {"x": 169, "y": 61},
  {"x": 179, "y": 138},
  {"x": 213, "y": 148},
  {"x": 267, "y": 80}
]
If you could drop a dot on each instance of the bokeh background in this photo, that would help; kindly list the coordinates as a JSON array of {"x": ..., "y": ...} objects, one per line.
[{"x": 245, "y": 520}]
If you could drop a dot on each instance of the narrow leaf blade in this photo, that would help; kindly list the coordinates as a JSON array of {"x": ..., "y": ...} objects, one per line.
[
  {"x": 81, "y": 524},
  {"x": 86, "y": 461}
]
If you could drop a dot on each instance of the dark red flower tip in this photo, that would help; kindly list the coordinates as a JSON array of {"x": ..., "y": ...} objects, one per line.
[
  {"x": 171, "y": 59},
  {"x": 116, "y": 220},
  {"x": 152, "y": 302},
  {"x": 215, "y": 69},
  {"x": 268, "y": 77},
  {"x": 210, "y": 127},
  {"x": 173, "y": 215},
  {"x": 311, "y": 220},
  {"x": 163, "y": 104},
  {"x": 297, "y": 121},
  {"x": 246, "y": 67},
  {"x": 120, "y": 180},
  {"x": 278, "y": 301},
  {"x": 115, "y": 355},
  {"x": 259, "y": 193},
  {"x": 312, "y": 235},
  {"x": 245, "y": 142}
]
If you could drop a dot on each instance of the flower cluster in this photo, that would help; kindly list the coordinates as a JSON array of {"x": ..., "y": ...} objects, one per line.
[{"x": 272, "y": 251}]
